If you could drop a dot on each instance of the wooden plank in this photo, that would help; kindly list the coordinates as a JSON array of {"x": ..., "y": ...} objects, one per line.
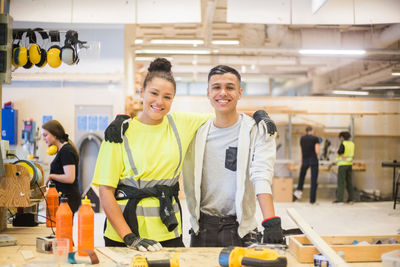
[
  {"x": 300, "y": 246},
  {"x": 114, "y": 255},
  {"x": 322, "y": 246}
]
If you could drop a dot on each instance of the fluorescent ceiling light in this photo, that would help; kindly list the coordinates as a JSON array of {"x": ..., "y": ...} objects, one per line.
[
  {"x": 330, "y": 52},
  {"x": 397, "y": 73},
  {"x": 191, "y": 42},
  {"x": 225, "y": 42},
  {"x": 138, "y": 41},
  {"x": 340, "y": 92},
  {"x": 383, "y": 87},
  {"x": 144, "y": 58},
  {"x": 173, "y": 52}
]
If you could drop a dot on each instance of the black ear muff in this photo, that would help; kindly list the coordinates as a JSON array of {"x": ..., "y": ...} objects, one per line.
[
  {"x": 69, "y": 55},
  {"x": 54, "y": 56}
]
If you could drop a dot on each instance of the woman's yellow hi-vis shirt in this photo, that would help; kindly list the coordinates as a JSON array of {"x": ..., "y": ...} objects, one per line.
[{"x": 156, "y": 155}]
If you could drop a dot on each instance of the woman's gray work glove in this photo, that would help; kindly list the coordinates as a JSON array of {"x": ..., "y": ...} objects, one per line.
[
  {"x": 273, "y": 233},
  {"x": 264, "y": 123},
  {"x": 117, "y": 128},
  {"x": 142, "y": 244}
]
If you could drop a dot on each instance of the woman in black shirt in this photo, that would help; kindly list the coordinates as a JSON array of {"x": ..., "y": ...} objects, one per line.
[{"x": 64, "y": 167}]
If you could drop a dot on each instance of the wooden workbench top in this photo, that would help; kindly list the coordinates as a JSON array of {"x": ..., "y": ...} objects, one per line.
[{"x": 191, "y": 257}]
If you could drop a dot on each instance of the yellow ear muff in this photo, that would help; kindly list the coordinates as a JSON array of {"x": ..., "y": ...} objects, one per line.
[
  {"x": 52, "y": 150},
  {"x": 54, "y": 57},
  {"x": 35, "y": 54},
  {"x": 20, "y": 56}
]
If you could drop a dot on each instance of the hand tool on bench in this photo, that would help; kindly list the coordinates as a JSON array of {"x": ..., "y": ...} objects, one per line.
[
  {"x": 140, "y": 261},
  {"x": 257, "y": 256}
]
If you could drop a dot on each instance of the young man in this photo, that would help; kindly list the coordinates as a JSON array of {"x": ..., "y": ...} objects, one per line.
[
  {"x": 228, "y": 165},
  {"x": 309, "y": 158},
  {"x": 344, "y": 161}
]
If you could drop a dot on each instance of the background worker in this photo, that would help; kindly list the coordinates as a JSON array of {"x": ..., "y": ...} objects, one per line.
[
  {"x": 309, "y": 158},
  {"x": 64, "y": 167},
  {"x": 344, "y": 161},
  {"x": 229, "y": 163},
  {"x": 137, "y": 172}
]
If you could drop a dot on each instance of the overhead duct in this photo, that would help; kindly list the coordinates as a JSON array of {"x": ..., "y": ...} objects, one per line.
[{"x": 388, "y": 36}]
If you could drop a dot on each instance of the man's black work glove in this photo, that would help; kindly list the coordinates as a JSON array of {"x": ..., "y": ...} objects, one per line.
[
  {"x": 142, "y": 244},
  {"x": 117, "y": 128},
  {"x": 272, "y": 231},
  {"x": 264, "y": 123}
]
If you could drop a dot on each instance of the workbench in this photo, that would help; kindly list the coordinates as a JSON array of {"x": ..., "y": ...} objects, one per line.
[{"x": 191, "y": 257}]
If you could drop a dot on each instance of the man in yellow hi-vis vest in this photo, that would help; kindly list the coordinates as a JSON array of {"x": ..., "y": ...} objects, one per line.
[{"x": 344, "y": 161}]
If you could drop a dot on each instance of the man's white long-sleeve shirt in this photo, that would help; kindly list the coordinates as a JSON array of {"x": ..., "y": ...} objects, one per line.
[{"x": 255, "y": 168}]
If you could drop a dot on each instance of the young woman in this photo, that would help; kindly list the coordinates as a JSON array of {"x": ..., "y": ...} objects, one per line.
[
  {"x": 138, "y": 178},
  {"x": 64, "y": 167}
]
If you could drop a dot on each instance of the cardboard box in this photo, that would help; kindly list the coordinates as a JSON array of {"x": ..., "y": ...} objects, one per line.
[
  {"x": 282, "y": 189},
  {"x": 304, "y": 251}
]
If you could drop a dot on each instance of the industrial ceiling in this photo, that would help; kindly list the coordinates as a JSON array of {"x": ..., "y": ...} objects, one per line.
[{"x": 268, "y": 41}]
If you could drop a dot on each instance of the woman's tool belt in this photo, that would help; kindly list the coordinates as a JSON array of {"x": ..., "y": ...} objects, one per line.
[{"x": 163, "y": 192}]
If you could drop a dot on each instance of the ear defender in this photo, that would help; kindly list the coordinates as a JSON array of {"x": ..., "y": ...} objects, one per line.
[
  {"x": 54, "y": 56},
  {"x": 20, "y": 56},
  {"x": 43, "y": 53},
  {"x": 19, "y": 53},
  {"x": 30, "y": 35},
  {"x": 52, "y": 150},
  {"x": 54, "y": 52},
  {"x": 35, "y": 54},
  {"x": 69, "y": 54}
]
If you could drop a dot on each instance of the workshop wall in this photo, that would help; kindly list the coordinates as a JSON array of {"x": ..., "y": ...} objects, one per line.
[{"x": 60, "y": 104}]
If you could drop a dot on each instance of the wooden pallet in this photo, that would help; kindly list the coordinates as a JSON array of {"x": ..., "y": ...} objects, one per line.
[{"x": 304, "y": 250}]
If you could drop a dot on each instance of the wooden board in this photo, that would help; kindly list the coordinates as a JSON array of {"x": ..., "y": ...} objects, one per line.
[
  {"x": 304, "y": 251},
  {"x": 15, "y": 186},
  {"x": 333, "y": 258}
]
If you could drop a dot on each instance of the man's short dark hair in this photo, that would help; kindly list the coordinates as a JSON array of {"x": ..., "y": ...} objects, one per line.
[
  {"x": 308, "y": 129},
  {"x": 346, "y": 135},
  {"x": 222, "y": 69}
]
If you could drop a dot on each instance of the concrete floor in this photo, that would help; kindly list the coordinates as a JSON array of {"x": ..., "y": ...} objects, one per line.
[{"x": 362, "y": 218}]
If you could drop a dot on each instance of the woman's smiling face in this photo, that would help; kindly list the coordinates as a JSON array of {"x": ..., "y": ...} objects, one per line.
[{"x": 157, "y": 100}]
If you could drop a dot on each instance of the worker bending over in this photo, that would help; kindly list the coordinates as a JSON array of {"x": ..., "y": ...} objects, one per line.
[{"x": 227, "y": 165}]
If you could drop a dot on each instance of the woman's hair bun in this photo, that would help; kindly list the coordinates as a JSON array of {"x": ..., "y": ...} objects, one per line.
[{"x": 160, "y": 64}]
